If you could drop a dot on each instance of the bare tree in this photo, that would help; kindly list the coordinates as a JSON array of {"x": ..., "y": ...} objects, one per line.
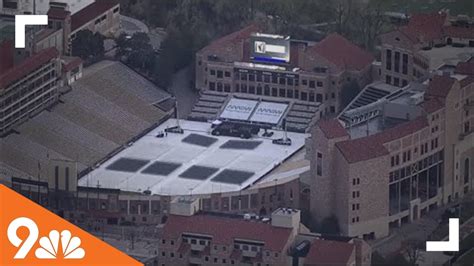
[{"x": 412, "y": 251}]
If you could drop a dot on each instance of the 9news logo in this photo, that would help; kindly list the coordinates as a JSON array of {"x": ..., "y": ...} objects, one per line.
[
  {"x": 31, "y": 235},
  {"x": 49, "y": 245}
]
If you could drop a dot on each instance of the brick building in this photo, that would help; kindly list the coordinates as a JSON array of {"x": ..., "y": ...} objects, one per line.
[
  {"x": 193, "y": 237},
  {"x": 315, "y": 72},
  {"x": 427, "y": 43},
  {"x": 28, "y": 88},
  {"x": 394, "y": 160}
]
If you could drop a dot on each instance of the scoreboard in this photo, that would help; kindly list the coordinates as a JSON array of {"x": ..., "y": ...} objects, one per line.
[{"x": 268, "y": 48}]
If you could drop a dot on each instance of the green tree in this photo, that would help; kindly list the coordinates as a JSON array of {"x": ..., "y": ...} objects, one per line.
[
  {"x": 88, "y": 45},
  {"x": 137, "y": 50}
]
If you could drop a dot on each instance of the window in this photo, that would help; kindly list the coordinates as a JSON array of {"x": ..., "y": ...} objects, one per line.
[
  {"x": 312, "y": 84},
  {"x": 282, "y": 93},
  {"x": 319, "y": 98},
  {"x": 163, "y": 254},
  {"x": 67, "y": 179},
  {"x": 397, "y": 62},
  {"x": 215, "y": 260},
  {"x": 396, "y": 82},
  {"x": 224, "y": 261},
  {"x": 388, "y": 79},
  {"x": 163, "y": 241},
  {"x": 56, "y": 177},
  {"x": 212, "y": 86},
  {"x": 219, "y": 74},
  {"x": 251, "y": 77},
  {"x": 319, "y": 164},
  {"x": 405, "y": 65},
  {"x": 274, "y": 92},
  {"x": 304, "y": 82},
  {"x": 213, "y": 72},
  {"x": 332, "y": 109},
  {"x": 304, "y": 96},
  {"x": 227, "y": 74},
  {"x": 319, "y": 83},
  {"x": 388, "y": 59}
]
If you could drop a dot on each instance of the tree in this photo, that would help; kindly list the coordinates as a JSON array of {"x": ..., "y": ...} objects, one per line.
[
  {"x": 412, "y": 251},
  {"x": 369, "y": 22},
  {"x": 88, "y": 45},
  {"x": 137, "y": 49},
  {"x": 330, "y": 226}
]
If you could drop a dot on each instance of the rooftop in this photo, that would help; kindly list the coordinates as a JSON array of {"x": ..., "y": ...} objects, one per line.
[
  {"x": 194, "y": 162},
  {"x": 225, "y": 230},
  {"x": 447, "y": 55},
  {"x": 341, "y": 52},
  {"x": 336, "y": 49},
  {"x": 91, "y": 12},
  {"x": 27, "y": 66},
  {"x": 327, "y": 252}
]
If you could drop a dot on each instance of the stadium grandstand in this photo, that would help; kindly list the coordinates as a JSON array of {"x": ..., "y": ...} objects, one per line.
[{"x": 96, "y": 116}]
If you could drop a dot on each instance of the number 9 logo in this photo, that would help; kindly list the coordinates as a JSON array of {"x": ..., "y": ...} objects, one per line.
[{"x": 27, "y": 243}]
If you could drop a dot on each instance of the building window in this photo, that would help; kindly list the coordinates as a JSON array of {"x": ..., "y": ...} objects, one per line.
[
  {"x": 405, "y": 64},
  {"x": 163, "y": 254},
  {"x": 213, "y": 72},
  {"x": 212, "y": 86},
  {"x": 219, "y": 74},
  {"x": 163, "y": 241},
  {"x": 274, "y": 92},
  {"x": 67, "y": 179},
  {"x": 388, "y": 59},
  {"x": 397, "y": 62},
  {"x": 388, "y": 79},
  {"x": 56, "y": 177},
  {"x": 319, "y": 164},
  {"x": 312, "y": 84},
  {"x": 304, "y": 96},
  {"x": 319, "y": 83},
  {"x": 282, "y": 93}
]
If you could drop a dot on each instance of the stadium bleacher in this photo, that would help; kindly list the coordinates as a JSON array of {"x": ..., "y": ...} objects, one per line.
[{"x": 110, "y": 105}]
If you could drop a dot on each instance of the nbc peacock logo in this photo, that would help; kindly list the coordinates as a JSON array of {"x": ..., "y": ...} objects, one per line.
[{"x": 70, "y": 246}]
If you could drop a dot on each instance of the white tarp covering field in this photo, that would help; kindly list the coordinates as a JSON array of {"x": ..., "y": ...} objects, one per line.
[
  {"x": 151, "y": 150},
  {"x": 239, "y": 109},
  {"x": 269, "y": 112}
]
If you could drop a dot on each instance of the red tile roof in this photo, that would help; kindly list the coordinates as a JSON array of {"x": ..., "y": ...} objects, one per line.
[
  {"x": 27, "y": 66},
  {"x": 58, "y": 13},
  {"x": 425, "y": 27},
  {"x": 465, "y": 68},
  {"x": 459, "y": 32},
  {"x": 342, "y": 52},
  {"x": 440, "y": 86},
  {"x": 231, "y": 45},
  {"x": 332, "y": 128},
  {"x": 370, "y": 147},
  {"x": 91, "y": 12},
  {"x": 432, "y": 105},
  {"x": 326, "y": 252},
  {"x": 7, "y": 51},
  {"x": 225, "y": 230},
  {"x": 72, "y": 64}
]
